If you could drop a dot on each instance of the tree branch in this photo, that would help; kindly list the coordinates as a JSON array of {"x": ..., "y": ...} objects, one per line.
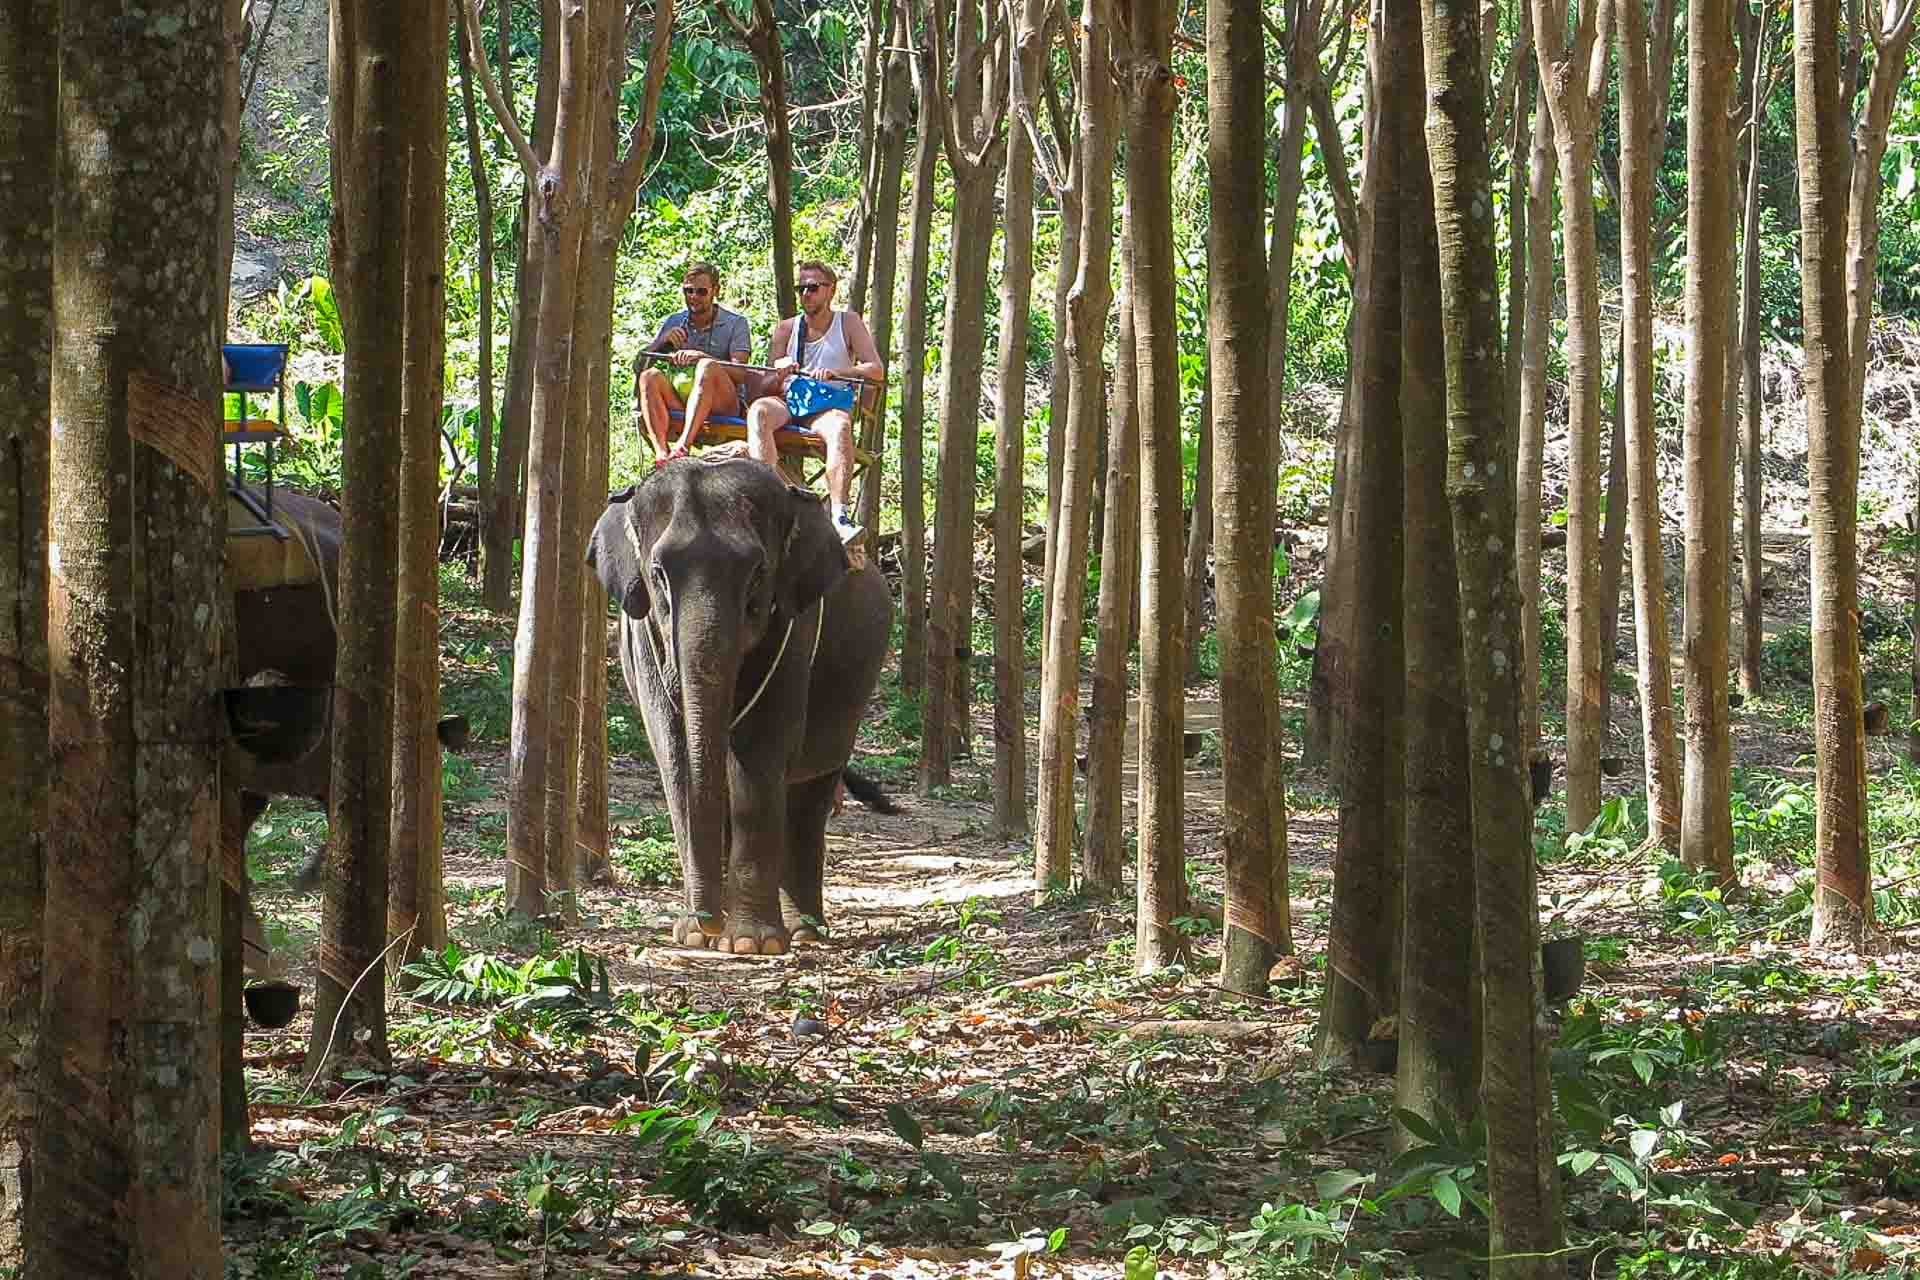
[
  {"x": 941, "y": 99},
  {"x": 631, "y": 167},
  {"x": 470, "y": 16}
]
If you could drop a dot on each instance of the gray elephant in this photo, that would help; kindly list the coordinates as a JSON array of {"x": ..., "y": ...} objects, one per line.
[{"x": 751, "y": 649}]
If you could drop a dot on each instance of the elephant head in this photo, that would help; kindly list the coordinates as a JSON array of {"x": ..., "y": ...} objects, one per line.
[{"x": 713, "y": 564}]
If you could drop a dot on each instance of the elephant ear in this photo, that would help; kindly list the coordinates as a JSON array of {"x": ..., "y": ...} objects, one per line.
[
  {"x": 815, "y": 559},
  {"x": 613, "y": 553}
]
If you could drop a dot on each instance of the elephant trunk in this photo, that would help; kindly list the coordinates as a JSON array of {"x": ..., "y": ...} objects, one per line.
[{"x": 707, "y": 694}]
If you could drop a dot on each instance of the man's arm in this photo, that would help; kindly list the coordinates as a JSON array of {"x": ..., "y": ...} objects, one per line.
[
  {"x": 671, "y": 335},
  {"x": 860, "y": 345},
  {"x": 779, "y": 342}
]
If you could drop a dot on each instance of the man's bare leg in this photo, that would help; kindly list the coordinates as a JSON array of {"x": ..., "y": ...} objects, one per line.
[
  {"x": 836, "y": 430},
  {"x": 657, "y": 400},
  {"x": 713, "y": 392},
  {"x": 764, "y": 417}
]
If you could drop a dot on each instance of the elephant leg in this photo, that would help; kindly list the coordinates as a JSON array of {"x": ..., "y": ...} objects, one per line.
[
  {"x": 757, "y": 860},
  {"x": 802, "y": 901}
]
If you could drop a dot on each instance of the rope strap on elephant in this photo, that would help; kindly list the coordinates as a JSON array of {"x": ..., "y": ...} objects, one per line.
[{"x": 819, "y": 624}]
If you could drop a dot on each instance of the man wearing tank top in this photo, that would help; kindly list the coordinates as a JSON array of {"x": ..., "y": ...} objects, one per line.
[{"x": 818, "y": 343}]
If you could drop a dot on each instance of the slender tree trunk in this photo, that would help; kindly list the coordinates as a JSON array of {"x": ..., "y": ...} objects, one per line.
[
  {"x": 1892, "y": 32},
  {"x": 1088, "y": 305},
  {"x": 483, "y": 215},
  {"x": 913, "y": 425},
  {"x": 1103, "y": 864},
  {"x": 1239, "y": 332},
  {"x": 1060, "y": 400},
  {"x": 1439, "y": 1064},
  {"x": 1146, "y": 78},
  {"x": 972, "y": 112},
  {"x": 1613, "y": 553},
  {"x": 1200, "y": 534},
  {"x": 1706, "y": 824},
  {"x": 1639, "y": 153},
  {"x": 1564, "y": 76},
  {"x": 1752, "y": 422},
  {"x": 1519, "y": 179},
  {"x": 126, "y": 1109},
  {"x": 416, "y": 889},
  {"x": 505, "y": 524},
  {"x": 1364, "y": 935},
  {"x": 1842, "y": 900},
  {"x": 1531, "y": 444},
  {"x": 373, "y": 53},
  {"x": 1010, "y": 816},
  {"x": 872, "y": 108},
  {"x": 761, "y": 36},
  {"x": 895, "y": 104},
  {"x": 1516, "y": 1090},
  {"x": 28, "y": 89}
]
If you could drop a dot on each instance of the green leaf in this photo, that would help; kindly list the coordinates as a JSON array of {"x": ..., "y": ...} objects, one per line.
[
  {"x": 326, "y": 314},
  {"x": 1643, "y": 1142},
  {"x": 1140, "y": 1263},
  {"x": 1419, "y": 1126},
  {"x": 821, "y": 1228},
  {"x": 1447, "y": 1192},
  {"x": 906, "y": 1126},
  {"x": 1336, "y": 1183},
  {"x": 1623, "y": 1173},
  {"x": 1582, "y": 1161},
  {"x": 1056, "y": 1239}
]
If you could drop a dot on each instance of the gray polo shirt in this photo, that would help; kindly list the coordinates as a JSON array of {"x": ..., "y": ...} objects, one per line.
[{"x": 727, "y": 334}]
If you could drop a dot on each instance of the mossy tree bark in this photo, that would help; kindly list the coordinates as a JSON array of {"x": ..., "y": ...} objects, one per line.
[
  {"x": 1516, "y": 1094},
  {"x": 125, "y": 1172},
  {"x": 28, "y": 88}
]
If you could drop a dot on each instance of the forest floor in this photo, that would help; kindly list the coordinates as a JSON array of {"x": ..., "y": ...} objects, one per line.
[{"x": 963, "y": 1074}]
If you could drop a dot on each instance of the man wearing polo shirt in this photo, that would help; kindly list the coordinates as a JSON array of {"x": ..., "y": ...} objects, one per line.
[{"x": 701, "y": 330}]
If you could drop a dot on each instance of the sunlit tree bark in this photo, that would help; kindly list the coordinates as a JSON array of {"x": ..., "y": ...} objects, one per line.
[
  {"x": 126, "y": 1126},
  {"x": 913, "y": 424}
]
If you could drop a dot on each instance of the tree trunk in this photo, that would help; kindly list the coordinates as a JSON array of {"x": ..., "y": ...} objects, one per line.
[
  {"x": 1239, "y": 329},
  {"x": 895, "y": 105},
  {"x": 1515, "y": 1092},
  {"x": 1519, "y": 181},
  {"x": 872, "y": 107},
  {"x": 1103, "y": 864},
  {"x": 1088, "y": 304},
  {"x": 1613, "y": 553},
  {"x": 1060, "y": 402},
  {"x": 483, "y": 216},
  {"x": 1439, "y": 1066},
  {"x": 1364, "y": 935},
  {"x": 562, "y": 218},
  {"x": 373, "y": 53},
  {"x": 506, "y": 523},
  {"x": 762, "y": 38},
  {"x": 971, "y": 114},
  {"x": 416, "y": 889},
  {"x": 1200, "y": 531},
  {"x": 913, "y": 425},
  {"x": 126, "y": 1125},
  {"x": 1640, "y": 151},
  {"x": 1531, "y": 445},
  {"x": 28, "y": 89},
  {"x": 1010, "y": 818},
  {"x": 1564, "y": 80},
  {"x": 1892, "y": 33},
  {"x": 1146, "y": 78},
  {"x": 1706, "y": 824},
  {"x": 1842, "y": 900},
  {"x": 1753, "y": 416}
]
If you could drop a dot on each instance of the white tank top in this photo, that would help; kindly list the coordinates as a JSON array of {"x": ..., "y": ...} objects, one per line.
[{"x": 828, "y": 352}]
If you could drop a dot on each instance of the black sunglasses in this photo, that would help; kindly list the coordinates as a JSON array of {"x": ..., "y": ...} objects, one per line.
[
  {"x": 695, "y": 290},
  {"x": 806, "y": 287}
]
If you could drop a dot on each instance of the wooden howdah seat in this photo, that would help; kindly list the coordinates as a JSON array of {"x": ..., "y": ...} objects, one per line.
[{"x": 803, "y": 451}]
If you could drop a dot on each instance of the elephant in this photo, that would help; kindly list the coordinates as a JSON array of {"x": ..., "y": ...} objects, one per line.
[
  {"x": 284, "y": 634},
  {"x": 751, "y": 648}
]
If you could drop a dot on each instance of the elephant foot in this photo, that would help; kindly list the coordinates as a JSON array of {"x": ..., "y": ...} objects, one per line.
[{"x": 740, "y": 939}]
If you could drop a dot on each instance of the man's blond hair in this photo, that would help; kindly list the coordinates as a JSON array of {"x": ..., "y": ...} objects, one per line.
[
  {"x": 707, "y": 269},
  {"x": 821, "y": 267}
]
